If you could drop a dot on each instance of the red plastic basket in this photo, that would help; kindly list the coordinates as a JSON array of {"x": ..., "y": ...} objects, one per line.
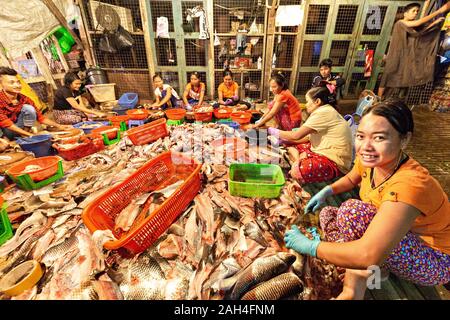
[
  {"x": 241, "y": 117},
  {"x": 89, "y": 144},
  {"x": 175, "y": 114},
  {"x": 159, "y": 172},
  {"x": 149, "y": 132},
  {"x": 220, "y": 114},
  {"x": 202, "y": 116},
  {"x": 49, "y": 167},
  {"x": 138, "y": 114},
  {"x": 117, "y": 120},
  {"x": 111, "y": 131}
]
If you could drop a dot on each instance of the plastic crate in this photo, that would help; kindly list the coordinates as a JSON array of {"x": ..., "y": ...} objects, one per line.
[
  {"x": 223, "y": 115},
  {"x": 149, "y": 132},
  {"x": 159, "y": 172},
  {"x": 102, "y": 92},
  {"x": 6, "y": 231},
  {"x": 97, "y": 124},
  {"x": 111, "y": 135},
  {"x": 48, "y": 166},
  {"x": 40, "y": 145},
  {"x": 89, "y": 145},
  {"x": 120, "y": 122},
  {"x": 174, "y": 122},
  {"x": 25, "y": 182},
  {"x": 128, "y": 100},
  {"x": 255, "y": 180}
]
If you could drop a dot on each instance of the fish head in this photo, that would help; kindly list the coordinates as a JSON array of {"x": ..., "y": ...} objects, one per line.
[{"x": 286, "y": 257}]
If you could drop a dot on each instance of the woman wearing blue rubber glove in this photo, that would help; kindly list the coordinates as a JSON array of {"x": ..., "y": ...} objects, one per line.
[
  {"x": 318, "y": 199},
  {"x": 401, "y": 223}
]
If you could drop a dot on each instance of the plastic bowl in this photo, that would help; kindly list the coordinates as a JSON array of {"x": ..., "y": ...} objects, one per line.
[
  {"x": 111, "y": 131},
  {"x": 241, "y": 117},
  {"x": 88, "y": 126},
  {"x": 137, "y": 114},
  {"x": 175, "y": 114},
  {"x": 117, "y": 120},
  {"x": 223, "y": 113},
  {"x": 40, "y": 145},
  {"x": 48, "y": 167}
]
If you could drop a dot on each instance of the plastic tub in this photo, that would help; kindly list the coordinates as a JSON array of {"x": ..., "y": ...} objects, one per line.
[
  {"x": 6, "y": 231},
  {"x": 68, "y": 135},
  {"x": 88, "y": 126},
  {"x": 149, "y": 132},
  {"x": 155, "y": 174},
  {"x": 102, "y": 92},
  {"x": 255, "y": 180},
  {"x": 230, "y": 147},
  {"x": 138, "y": 114},
  {"x": 128, "y": 100},
  {"x": 223, "y": 113},
  {"x": 241, "y": 117},
  {"x": 48, "y": 166},
  {"x": 175, "y": 114},
  {"x": 202, "y": 116},
  {"x": 231, "y": 124},
  {"x": 111, "y": 131},
  {"x": 40, "y": 145}
]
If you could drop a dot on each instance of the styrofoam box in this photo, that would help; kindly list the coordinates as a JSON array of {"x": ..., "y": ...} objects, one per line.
[{"x": 126, "y": 19}]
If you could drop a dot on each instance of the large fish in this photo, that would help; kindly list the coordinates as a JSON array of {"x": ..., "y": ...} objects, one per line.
[
  {"x": 281, "y": 286},
  {"x": 260, "y": 270}
]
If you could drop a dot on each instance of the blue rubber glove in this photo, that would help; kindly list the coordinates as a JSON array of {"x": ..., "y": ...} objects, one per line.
[
  {"x": 318, "y": 199},
  {"x": 297, "y": 241}
]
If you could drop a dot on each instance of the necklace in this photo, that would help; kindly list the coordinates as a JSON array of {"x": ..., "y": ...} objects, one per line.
[{"x": 372, "y": 173}]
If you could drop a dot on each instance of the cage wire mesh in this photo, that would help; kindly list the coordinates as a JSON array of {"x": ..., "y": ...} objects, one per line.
[
  {"x": 316, "y": 22},
  {"x": 311, "y": 53},
  {"x": 339, "y": 52},
  {"x": 252, "y": 84},
  {"x": 304, "y": 82},
  {"x": 194, "y": 25},
  {"x": 345, "y": 20},
  {"x": 161, "y": 8},
  {"x": 126, "y": 81},
  {"x": 284, "y": 50},
  {"x": 196, "y": 52},
  {"x": 292, "y": 29}
]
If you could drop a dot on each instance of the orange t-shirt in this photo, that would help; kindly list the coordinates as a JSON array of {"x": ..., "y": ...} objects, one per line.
[
  {"x": 228, "y": 92},
  {"x": 412, "y": 184},
  {"x": 292, "y": 104}
]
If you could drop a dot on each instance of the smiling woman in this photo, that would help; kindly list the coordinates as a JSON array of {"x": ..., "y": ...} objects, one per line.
[{"x": 401, "y": 223}]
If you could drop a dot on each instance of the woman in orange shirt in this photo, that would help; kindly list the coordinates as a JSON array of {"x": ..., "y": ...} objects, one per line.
[
  {"x": 401, "y": 223},
  {"x": 228, "y": 92},
  {"x": 284, "y": 107}
]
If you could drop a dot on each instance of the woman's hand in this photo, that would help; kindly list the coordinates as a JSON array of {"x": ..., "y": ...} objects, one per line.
[{"x": 297, "y": 241}]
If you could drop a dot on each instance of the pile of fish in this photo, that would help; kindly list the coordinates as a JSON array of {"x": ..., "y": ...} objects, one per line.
[{"x": 220, "y": 247}]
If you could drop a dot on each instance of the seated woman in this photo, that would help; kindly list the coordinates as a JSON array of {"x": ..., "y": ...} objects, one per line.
[
  {"x": 324, "y": 141},
  {"x": 284, "y": 107},
  {"x": 69, "y": 106},
  {"x": 166, "y": 96},
  {"x": 401, "y": 223},
  {"x": 194, "y": 93},
  {"x": 228, "y": 93}
]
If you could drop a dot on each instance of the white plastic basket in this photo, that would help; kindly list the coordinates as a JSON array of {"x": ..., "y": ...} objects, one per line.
[{"x": 102, "y": 92}]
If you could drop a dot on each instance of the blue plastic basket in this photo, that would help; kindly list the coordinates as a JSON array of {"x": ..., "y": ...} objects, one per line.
[
  {"x": 40, "y": 145},
  {"x": 88, "y": 130},
  {"x": 128, "y": 100},
  {"x": 229, "y": 123},
  {"x": 121, "y": 110}
]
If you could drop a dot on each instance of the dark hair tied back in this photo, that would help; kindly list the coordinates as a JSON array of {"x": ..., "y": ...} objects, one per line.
[
  {"x": 396, "y": 112},
  {"x": 227, "y": 72},
  {"x": 321, "y": 93},
  {"x": 6, "y": 71},
  {"x": 69, "y": 78},
  {"x": 280, "y": 80}
]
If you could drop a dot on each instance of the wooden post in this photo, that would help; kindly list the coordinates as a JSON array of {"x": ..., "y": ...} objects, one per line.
[
  {"x": 43, "y": 66},
  {"x": 297, "y": 54},
  {"x": 148, "y": 46},
  {"x": 270, "y": 34},
  {"x": 212, "y": 78},
  {"x": 87, "y": 51}
]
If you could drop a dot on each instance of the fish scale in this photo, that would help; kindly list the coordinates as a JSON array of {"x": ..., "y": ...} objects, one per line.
[
  {"x": 281, "y": 286},
  {"x": 261, "y": 270}
]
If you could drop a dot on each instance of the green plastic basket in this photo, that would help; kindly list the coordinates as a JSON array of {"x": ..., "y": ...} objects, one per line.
[
  {"x": 174, "y": 122},
  {"x": 25, "y": 182},
  {"x": 255, "y": 180},
  {"x": 109, "y": 142},
  {"x": 6, "y": 231}
]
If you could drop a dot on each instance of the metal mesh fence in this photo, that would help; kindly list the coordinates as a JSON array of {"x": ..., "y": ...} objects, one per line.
[
  {"x": 172, "y": 79},
  {"x": 339, "y": 52},
  {"x": 304, "y": 83},
  {"x": 252, "y": 84},
  {"x": 311, "y": 53},
  {"x": 317, "y": 19},
  {"x": 166, "y": 54},
  {"x": 161, "y": 8},
  {"x": 196, "y": 52},
  {"x": 284, "y": 50},
  {"x": 126, "y": 81},
  {"x": 357, "y": 84},
  {"x": 194, "y": 26},
  {"x": 345, "y": 20}
]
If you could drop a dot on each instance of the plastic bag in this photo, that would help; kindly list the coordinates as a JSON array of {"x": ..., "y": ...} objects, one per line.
[
  {"x": 123, "y": 39},
  {"x": 106, "y": 43}
]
